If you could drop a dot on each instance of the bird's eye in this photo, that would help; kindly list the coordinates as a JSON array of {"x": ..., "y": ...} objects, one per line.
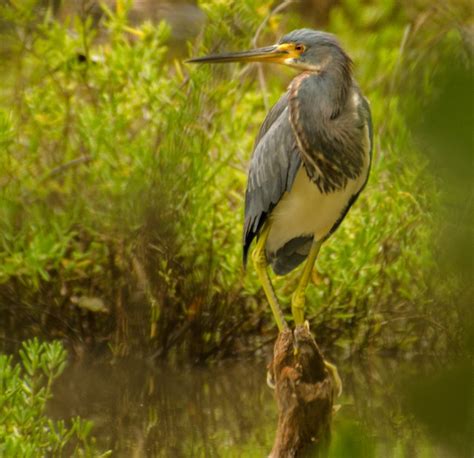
[{"x": 299, "y": 47}]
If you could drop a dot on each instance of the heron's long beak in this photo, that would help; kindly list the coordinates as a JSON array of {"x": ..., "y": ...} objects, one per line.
[{"x": 275, "y": 53}]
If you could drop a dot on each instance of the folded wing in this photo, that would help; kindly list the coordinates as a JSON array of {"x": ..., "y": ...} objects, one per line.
[{"x": 275, "y": 161}]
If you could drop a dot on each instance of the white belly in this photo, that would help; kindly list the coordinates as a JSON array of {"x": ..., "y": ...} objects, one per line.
[{"x": 306, "y": 211}]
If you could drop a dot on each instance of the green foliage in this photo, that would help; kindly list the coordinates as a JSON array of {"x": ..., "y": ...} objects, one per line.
[
  {"x": 115, "y": 173},
  {"x": 25, "y": 388},
  {"x": 122, "y": 175}
]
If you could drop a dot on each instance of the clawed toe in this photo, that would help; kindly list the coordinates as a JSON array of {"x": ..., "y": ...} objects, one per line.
[
  {"x": 270, "y": 380},
  {"x": 334, "y": 374}
]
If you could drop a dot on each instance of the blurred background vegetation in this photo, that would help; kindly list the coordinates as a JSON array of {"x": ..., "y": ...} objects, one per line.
[
  {"x": 122, "y": 174},
  {"x": 123, "y": 171}
]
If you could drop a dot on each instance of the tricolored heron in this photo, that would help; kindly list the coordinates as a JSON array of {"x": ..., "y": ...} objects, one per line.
[{"x": 310, "y": 161}]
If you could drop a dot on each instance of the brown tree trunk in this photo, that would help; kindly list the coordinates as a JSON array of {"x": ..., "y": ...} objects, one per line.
[{"x": 305, "y": 391}]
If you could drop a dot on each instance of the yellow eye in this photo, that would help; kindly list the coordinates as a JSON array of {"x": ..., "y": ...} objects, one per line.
[{"x": 299, "y": 47}]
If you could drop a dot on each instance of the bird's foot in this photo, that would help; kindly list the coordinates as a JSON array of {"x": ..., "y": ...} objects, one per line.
[
  {"x": 270, "y": 380},
  {"x": 332, "y": 370},
  {"x": 334, "y": 374}
]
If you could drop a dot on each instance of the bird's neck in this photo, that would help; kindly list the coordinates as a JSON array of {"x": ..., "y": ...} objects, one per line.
[
  {"x": 336, "y": 82},
  {"x": 330, "y": 87},
  {"x": 323, "y": 91},
  {"x": 316, "y": 101}
]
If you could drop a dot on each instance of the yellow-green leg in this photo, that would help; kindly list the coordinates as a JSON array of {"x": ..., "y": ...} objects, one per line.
[
  {"x": 260, "y": 262},
  {"x": 297, "y": 308},
  {"x": 299, "y": 296}
]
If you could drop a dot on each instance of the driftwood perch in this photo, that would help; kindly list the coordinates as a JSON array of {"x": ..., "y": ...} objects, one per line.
[{"x": 305, "y": 388}]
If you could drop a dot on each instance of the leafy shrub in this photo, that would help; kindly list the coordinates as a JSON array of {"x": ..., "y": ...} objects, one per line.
[
  {"x": 25, "y": 429},
  {"x": 122, "y": 175}
]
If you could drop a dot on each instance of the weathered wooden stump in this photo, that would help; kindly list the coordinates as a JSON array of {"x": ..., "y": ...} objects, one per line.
[{"x": 305, "y": 388}]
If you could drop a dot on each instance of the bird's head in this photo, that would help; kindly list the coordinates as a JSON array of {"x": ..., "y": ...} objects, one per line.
[{"x": 304, "y": 49}]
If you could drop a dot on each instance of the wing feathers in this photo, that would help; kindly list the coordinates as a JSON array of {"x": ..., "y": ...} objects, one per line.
[{"x": 273, "y": 168}]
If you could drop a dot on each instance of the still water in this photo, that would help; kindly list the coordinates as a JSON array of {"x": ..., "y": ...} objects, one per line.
[{"x": 143, "y": 410}]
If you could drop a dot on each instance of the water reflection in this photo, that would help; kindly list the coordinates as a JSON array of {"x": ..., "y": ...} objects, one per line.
[{"x": 140, "y": 410}]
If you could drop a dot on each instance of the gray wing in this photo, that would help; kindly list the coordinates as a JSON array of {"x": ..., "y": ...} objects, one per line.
[{"x": 275, "y": 161}]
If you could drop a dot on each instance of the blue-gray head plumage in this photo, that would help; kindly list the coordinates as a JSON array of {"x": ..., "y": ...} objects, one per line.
[
  {"x": 321, "y": 50},
  {"x": 310, "y": 37}
]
